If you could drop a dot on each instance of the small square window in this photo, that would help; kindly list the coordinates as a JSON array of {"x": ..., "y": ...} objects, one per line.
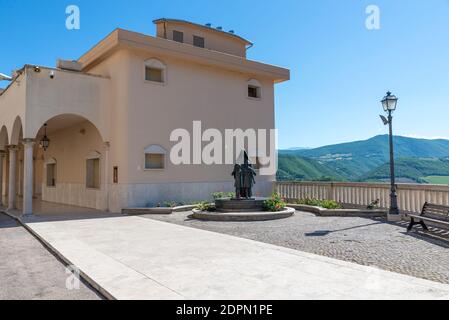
[
  {"x": 178, "y": 36},
  {"x": 154, "y": 74},
  {"x": 198, "y": 41},
  {"x": 154, "y": 161},
  {"x": 254, "y": 92},
  {"x": 51, "y": 175},
  {"x": 93, "y": 173}
]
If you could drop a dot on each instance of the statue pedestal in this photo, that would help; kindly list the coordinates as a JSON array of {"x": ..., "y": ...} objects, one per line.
[
  {"x": 242, "y": 210},
  {"x": 240, "y": 205}
]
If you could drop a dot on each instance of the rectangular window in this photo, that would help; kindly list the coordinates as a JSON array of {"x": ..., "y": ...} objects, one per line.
[
  {"x": 51, "y": 175},
  {"x": 154, "y": 74},
  {"x": 154, "y": 161},
  {"x": 115, "y": 175},
  {"x": 198, "y": 41},
  {"x": 253, "y": 92},
  {"x": 178, "y": 36},
  {"x": 93, "y": 173}
]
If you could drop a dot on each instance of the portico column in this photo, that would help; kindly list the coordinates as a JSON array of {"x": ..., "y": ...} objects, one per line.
[
  {"x": 12, "y": 177},
  {"x": 106, "y": 175},
  {"x": 28, "y": 177},
  {"x": 2, "y": 156}
]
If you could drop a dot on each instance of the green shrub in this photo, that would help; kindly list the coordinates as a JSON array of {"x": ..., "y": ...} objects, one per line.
[
  {"x": 223, "y": 195},
  {"x": 374, "y": 205},
  {"x": 169, "y": 204},
  {"x": 326, "y": 204},
  {"x": 194, "y": 203},
  {"x": 275, "y": 203},
  {"x": 205, "y": 206}
]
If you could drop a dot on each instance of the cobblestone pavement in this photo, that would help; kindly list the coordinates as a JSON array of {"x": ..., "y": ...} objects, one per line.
[
  {"x": 29, "y": 272},
  {"x": 371, "y": 242}
]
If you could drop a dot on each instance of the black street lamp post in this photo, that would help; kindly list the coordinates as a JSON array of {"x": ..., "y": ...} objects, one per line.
[{"x": 389, "y": 103}]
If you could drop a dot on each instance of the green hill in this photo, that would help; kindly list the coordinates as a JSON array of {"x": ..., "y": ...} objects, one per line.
[
  {"x": 359, "y": 160},
  {"x": 415, "y": 169},
  {"x": 292, "y": 167},
  {"x": 378, "y": 147}
]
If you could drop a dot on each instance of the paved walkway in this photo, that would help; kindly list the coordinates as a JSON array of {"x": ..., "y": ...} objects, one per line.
[
  {"x": 29, "y": 272},
  {"x": 138, "y": 258},
  {"x": 370, "y": 242}
]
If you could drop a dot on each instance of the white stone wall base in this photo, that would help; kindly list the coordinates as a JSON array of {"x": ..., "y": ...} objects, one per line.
[
  {"x": 141, "y": 195},
  {"x": 74, "y": 194}
]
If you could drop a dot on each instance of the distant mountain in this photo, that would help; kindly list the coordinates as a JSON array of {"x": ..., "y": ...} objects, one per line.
[
  {"x": 293, "y": 167},
  {"x": 414, "y": 169},
  {"x": 298, "y": 148},
  {"x": 358, "y": 160}
]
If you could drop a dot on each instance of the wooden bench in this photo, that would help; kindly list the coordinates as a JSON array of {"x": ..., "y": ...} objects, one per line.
[{"x": 433, "y": 213}]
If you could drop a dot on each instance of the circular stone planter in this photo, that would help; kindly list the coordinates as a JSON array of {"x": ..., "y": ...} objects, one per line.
[
  {"x": 240, "y": 205},
  {"x": 243, "y": 216}
]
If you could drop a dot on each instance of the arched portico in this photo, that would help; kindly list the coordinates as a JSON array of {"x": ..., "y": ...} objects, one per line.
[
  {"x": 4, "y": 140},
  {"x": 60, "y": 121},
  {"x": 61, "y": 172},
  {"x": 16, "y": 134},
  {"x": 40, "y": 95}
]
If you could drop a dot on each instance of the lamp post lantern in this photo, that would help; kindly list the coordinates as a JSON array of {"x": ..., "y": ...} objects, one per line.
[
  {"x": 45, "y": 142},
  {"x": 389, "y": 103}
]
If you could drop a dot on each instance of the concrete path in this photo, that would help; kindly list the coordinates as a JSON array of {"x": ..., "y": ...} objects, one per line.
[
  {"x": 138, "y": 258},
  {"x": 29, "y": 272}
]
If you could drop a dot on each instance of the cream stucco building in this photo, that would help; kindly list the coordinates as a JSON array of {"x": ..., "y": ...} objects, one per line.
[{"x": 109, "y": 116}]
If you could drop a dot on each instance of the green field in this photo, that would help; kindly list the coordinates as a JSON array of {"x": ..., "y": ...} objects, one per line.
[{"x": 437, "y": 179}]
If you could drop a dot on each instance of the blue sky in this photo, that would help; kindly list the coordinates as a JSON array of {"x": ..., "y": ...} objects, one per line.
[{"x": 340, "y": 69}]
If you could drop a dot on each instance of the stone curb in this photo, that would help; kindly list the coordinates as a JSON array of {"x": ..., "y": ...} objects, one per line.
[
  {"x": 340, "y": 212},
  {"x": 243, "y": 217},
  {"x": 142, "y": 211},
  {"x": 62, "y": 258}
]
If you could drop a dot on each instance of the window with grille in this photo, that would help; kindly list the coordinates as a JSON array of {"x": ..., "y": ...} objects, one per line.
[
  {"x": 198, "y": 41},
  {"x": 178, "y": 36}
]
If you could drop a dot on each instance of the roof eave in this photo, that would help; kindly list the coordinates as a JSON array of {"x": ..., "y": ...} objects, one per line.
[
  {"x": 134, "y": 40},
  {"x": 235, "y": 36}
]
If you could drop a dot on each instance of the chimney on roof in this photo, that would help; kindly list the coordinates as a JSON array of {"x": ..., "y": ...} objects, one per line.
[
  {"x": 231, "y": 31},
  {"x": 219, "y": 28},
  {"x": 208, "y": 25}
]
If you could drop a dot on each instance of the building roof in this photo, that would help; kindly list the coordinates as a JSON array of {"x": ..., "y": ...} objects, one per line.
[
  {"x": 123, "y": 39},
  {"x": 204, "y": 27},
  {"x": 21, "y": 71}
]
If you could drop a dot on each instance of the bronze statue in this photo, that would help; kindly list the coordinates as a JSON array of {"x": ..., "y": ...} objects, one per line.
[
  {"x": 244, "y": 176},
  {"x": 237, "y": 174}
]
